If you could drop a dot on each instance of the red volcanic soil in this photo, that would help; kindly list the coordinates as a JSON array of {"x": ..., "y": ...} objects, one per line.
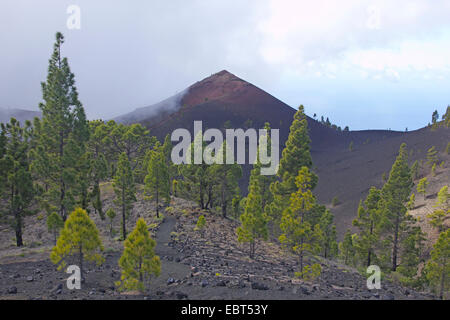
[{"x": 348, "y": 175}]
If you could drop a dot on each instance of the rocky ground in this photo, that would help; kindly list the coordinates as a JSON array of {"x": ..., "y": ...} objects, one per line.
[{"x": 195, "y": 265}]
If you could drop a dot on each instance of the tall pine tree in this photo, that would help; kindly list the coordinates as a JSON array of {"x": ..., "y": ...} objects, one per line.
[
  {"x": 295, "y": 155},
  {"x": 17, "y": 188},
  {"x": 125, "y": 190},
  {"x": 157, "y": 179},
  {"x": 394, "y": 195},
  {"x": 368, "y": 222},
  {"x": 253, "y": 220},
  {"x": 138, "y": 261},
  {"x": 299, "y": 233},
  {"x": 226, "y": 177},
  {"x": 62, "y": 137}
]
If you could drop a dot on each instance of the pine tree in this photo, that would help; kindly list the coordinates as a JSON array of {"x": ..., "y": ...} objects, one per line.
[
  {"x": 298, "y": 233},
  {"x": 437, "y": 218},
  {"x": 171, "y": 168},
  {"x": 394, "y": 195},
  {"x": 133, "y": 140},
  {"x": 329, "y": 244},
  {"x": 346, "y": 248},
  {"x": 422, "y": 187},
  {"x": 434, "y": 117},
  {"x": 265, "y": 181},
  {"x": 438, "y": 267},
  {"x": 295, "y": 155},
  {"x": 432, "y": 157},
  {"x": 412, "y": 202},
  {"x": 200, "y": 226},
  {"x": 446, "y": 117},
  {"x": 101, "y": 144},
  {"x": 99, "y": 172},
  {"x": 3, "y": 140},
  {"x": 157, "y": 179},
  {"x": 442, "y": 212},
  {"x": 411, "y": 250},
  {"x": 63, "y": 134},
  {"x": 175, "y": 187},
  {"x": 54, "y": 224},
  {"x": 138, "y": 261},
  {"x": 80, "y": 238},
  {"x": 198, "y": 180},
  {"x": 415, "y": 170},
  {"x": 124, "y": 189},
  {"x": 226, "y": 177},
  {"x": 368, "y": 223},
  {"x": 98, "y": 150},
  {"x": 16, "y": 188},
  {"x": 236, "y": 206},
  {"x": 111, "y": 214},
  {"x": 253, "y": 221},
  {"x": 443, "y": 199}
]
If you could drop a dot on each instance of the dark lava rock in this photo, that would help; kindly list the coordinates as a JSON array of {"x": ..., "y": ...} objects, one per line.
[
  {"x": 221, "y": 283},
  {"x": 204, "y": 283},
  {"x": 259, "y": 286},
  {"x": 305, "y": 290},
  {"x": 180, "y": 295},
  {"x": 12, "y": 290},
  {"x": 57, "y": 289}
]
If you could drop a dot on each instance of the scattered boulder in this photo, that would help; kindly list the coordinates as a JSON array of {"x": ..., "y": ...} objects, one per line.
[
  {"x": 204, "y": 283},
  {"x": 259, "y": 286},
  {"x": 57, "y": 289},
  {"x": 12, "y": 290},
  {"x": 221, "y": 283},
  {"x": 180, "y": 295}
]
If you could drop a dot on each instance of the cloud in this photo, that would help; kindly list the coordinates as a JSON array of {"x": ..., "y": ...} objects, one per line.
[
  {"x": 370, "y": 35},
  {"x": 133, "y": 54}
]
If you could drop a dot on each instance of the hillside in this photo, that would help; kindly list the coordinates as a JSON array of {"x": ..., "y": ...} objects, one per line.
[
  {"x": 347, "y": 175},
  {"x": 20, "y": 114},
  {"x": 212, "y": 266}
]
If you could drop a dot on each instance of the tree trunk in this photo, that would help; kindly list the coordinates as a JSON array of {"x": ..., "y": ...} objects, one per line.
[
  {"x": 124, "y": 228},
  {"x": 301, "y": 263},
  {"x": 81, "y": 263},
  {"x": 394, "y": 251},
  {"x": 157, "y": 202},
  {"x": 441, "y": 291},
  {"x": 62, "y": 209},
  {"x": 201, "y": 194},
  {"x": 224, "y": 205},
  {"x": 369, "y": 253},
  {"x": 18, "y": 228},
  {"x": 19, "y": 240}
]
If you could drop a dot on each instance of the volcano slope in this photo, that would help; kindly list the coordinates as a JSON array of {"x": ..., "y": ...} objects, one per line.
[
  {"x": 344, "y": 174},
  {"x": 194, "y": 265}
]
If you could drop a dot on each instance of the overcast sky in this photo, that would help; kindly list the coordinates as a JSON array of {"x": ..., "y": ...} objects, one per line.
[{"x": 366, "y": 64}]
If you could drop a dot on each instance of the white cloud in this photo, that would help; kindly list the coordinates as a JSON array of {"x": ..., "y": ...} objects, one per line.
[{"x": 383, "y": 36}]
